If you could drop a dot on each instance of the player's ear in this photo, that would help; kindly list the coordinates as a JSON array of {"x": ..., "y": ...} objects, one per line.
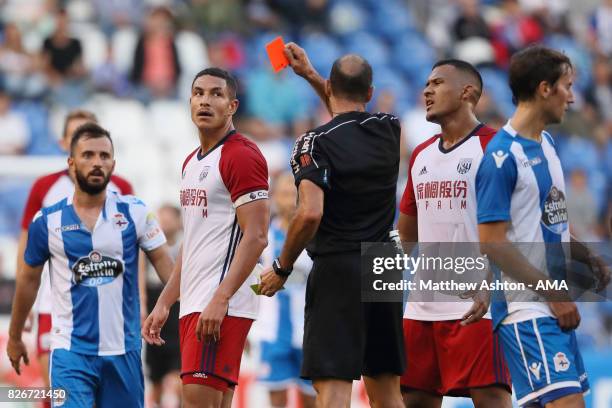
[
  {"x": 328, "y": 91},
  {"x": 233, "y": 107},
  {"x": 544, "y": 89},
  {"x": 370, "y": 93}
]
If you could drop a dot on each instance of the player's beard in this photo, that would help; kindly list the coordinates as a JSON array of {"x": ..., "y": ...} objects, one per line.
[{"x": 91, "y": 188}]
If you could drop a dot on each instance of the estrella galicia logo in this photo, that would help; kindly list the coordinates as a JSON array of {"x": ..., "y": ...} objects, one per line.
[
  {"x": 96, "y": 269},
  {"x": 554, "y": 211},
  {"x": 464, "y": 166}
]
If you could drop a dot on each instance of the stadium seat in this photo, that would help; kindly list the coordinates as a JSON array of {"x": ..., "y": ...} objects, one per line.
[
  {"x": 123, "y": 44},
  {"x": 193, "y": 57},
  {"x": 95, "y": 46},
  {"x": 322, "y": 50},
  {"x": 368, "y": 46}
]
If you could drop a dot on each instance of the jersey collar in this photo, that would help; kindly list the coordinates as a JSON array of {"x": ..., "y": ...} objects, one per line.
[{"x": 219, "y": 143}]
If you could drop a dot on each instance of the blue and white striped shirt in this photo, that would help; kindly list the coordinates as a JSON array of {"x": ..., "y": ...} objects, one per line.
[{"x": 94, "y": 274}]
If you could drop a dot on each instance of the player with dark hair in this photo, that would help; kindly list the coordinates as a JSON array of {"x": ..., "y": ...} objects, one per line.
[
  {"x": 450, "y": 351},
  {"x": 91, "y": 241},
  {"x": 45, "y": 191},
  {"x": 346, "y": 174},
  {"x": 523, "y": 226},
  {"x": 225, "y": 216}
]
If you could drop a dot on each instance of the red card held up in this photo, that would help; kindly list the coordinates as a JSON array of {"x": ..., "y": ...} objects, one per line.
[{"x": 276, "y": 54}]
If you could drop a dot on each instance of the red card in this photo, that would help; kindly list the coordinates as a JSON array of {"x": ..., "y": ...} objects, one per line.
[{"x": 276, "y": 54}]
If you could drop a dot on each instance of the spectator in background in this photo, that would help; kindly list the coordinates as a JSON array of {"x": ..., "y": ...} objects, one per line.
[
  {"x": 275, "y": 99},
  {"x": 210, "y": 18},
  {"x": 18, "y": 68},
  {"x": 14, "y": 132},
  {"x": 164, "y": 361},
  {"x": 599, "y": 94},
  {"x": 470, "y": 22},
  {"x": 63, "y": 64},
  {"x": 601, "y": 28},
  {"x": 116, "y": 13},
  {"x": 156, "y": 66},
  {"x": 106, "y": 77},
  {"x": 581, "y": 206}
]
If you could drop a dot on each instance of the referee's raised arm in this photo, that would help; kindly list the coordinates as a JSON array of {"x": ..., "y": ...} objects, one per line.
[{"x": 346, "y": 174}]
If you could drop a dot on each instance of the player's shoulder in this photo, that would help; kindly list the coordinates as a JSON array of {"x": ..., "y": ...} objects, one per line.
[
  {"x": 52, "y": 208},
  {"x": 44, "y": 183},
  {"x": 122, "y": 184},
  {"x": 501, "y": 141},
  {"x": 485, "y": 134},
  {"x": 548, "y": 137},
  {"x": 126, "y": 199},
  {"x": 188, "y": 158},
  {"x": 240, "y": 146},
  {"x": 424, "y": 145}
]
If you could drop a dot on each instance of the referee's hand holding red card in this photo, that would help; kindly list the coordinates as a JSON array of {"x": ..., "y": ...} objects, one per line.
[{"x": 298, "y": 60}]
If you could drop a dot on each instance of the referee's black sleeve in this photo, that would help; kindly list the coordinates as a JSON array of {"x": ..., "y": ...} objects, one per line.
[{"x": 309, "y": 162}]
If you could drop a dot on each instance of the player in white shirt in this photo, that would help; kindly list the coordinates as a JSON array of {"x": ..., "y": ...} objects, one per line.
[
  {"x": 224, "y": 197},
  {"x": 449, "y": 351},
  {"x": 524, "y": 228}
]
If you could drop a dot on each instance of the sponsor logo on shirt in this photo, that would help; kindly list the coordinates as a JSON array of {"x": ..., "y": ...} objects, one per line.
[
  {"x": 423, "y": 171},
  {"x": 554, "y": 211},
  {"x": 464, "y": 166},
  {"x": 96, "y": 269},
  {"x": 532, "y": 162},
  {"x": 195, "y": 197},
  {"x": 305, "y": 160},
  {"x": 432, "y": 193},
  {"x": 66, "y": 228}
]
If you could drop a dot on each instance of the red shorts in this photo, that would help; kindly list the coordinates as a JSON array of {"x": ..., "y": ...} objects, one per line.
[
  {"x": 214, "y": 364},
  {"x": 445, "y": 358},
  {"x": 43, "y": 337}
]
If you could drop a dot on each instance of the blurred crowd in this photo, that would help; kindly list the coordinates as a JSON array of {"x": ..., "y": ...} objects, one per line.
[{"x": 132, "y": 62}]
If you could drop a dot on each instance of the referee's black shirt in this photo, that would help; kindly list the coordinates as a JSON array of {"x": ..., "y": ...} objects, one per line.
[{"x": 354, "y": 158}]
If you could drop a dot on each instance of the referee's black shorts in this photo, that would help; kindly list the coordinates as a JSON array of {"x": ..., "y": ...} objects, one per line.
[{"x": 345, "y": 338}]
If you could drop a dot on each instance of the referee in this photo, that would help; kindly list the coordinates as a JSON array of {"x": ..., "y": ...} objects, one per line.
[{"x": 346, "y": 174}]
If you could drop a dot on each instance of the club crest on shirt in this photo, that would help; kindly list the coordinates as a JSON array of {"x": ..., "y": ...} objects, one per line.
[
  {"x": 120, "y": 222},
  {"x": 96, "y": 269},
  {"x": 464, "y": 166},
  {"x": 204, "y": 173}
]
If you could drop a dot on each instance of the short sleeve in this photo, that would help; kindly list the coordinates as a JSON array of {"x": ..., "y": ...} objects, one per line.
[
  {"x": 37, "y": 248},
  {"x": 150, "y": 234},
  {"x": 244, "y": 172},
  {"x": 309, "y": 162},
  {"x": 33, "y": 205},
  {"x": 495, "y": 182},
  {"x": 124, "y": 187},
  {"x": 408, "y": 203}
]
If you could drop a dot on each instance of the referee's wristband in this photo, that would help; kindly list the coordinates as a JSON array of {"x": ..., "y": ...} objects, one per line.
[{"x": 280, "y": 271}]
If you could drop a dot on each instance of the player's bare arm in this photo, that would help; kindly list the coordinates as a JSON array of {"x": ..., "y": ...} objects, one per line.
[
  {"x": 495, "y": 245},
  {"x": 253, "y": 219},
  {"x": 302, "y": 229},
  {"x": 27, "y": 284},
  {"x": 162, "y": 262},
  {"x": 151, "y": 328},
  {"x": 298, "y": 59},
  {"x": 408, "y": 228},
  {"x": 601, "y": 272}
]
